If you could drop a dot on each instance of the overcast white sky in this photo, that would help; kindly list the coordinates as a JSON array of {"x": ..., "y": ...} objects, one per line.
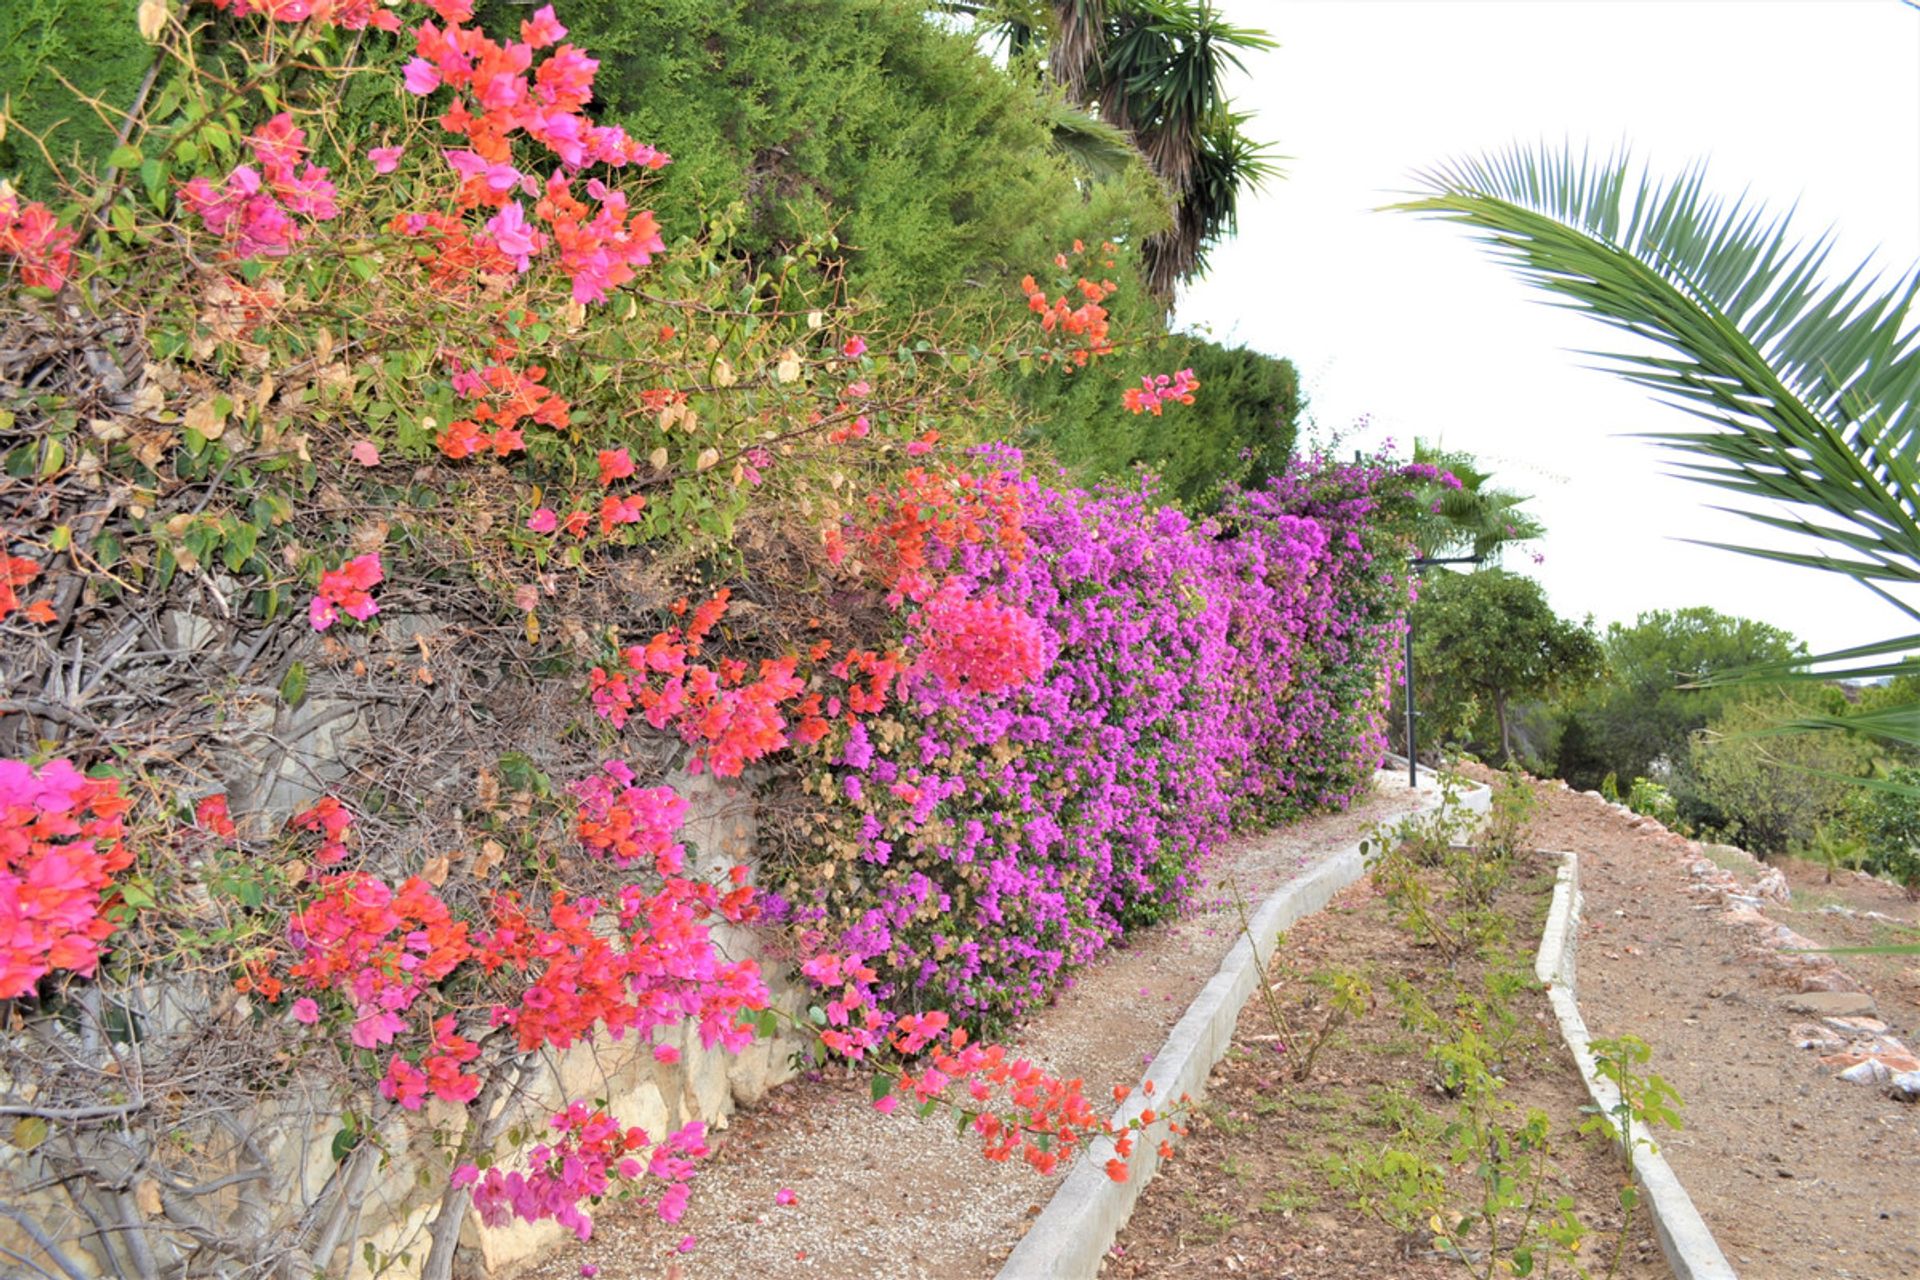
[{"x": 1408, "y": 322}]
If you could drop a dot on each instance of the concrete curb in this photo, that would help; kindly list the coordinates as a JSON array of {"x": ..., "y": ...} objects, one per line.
[
  {"x": 1079, "y": 1224},
  {"x": 1690, "y": 1247}
]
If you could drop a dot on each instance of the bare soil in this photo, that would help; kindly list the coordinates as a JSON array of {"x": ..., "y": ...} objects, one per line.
[
  {"x": 1797, "y": 1173},
  {"x": 900, "y": 1198},
  {"x": 1250, "y": 1193}
]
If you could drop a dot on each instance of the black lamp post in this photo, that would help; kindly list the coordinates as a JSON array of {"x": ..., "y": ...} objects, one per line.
[{"x": 1413, "y": 749}]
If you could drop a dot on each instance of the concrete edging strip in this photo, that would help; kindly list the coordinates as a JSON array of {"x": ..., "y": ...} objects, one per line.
[
  {"x": 1689, "y": 1246},
  {"x": 1085, "y": 1215}
]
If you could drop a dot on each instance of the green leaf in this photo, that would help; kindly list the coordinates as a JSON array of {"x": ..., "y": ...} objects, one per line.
[
  {"x": 293, "y": 687},
  {"x": 153, "y": 176},
  {"x": 881, "y": 1086},
  {"x": 344, "y": 1142},
  {"x": 124, "y": 156},
  {"x": 241, "y": 539},
  {"x": 28, "y": 1133}
]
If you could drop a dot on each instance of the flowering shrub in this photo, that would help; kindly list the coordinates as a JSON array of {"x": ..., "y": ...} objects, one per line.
[
  {"x": 60, "y": 845},
  {"x": 1171, "y": 683},
  {"x": 1161, "y": 389},
  {"x": 591, "y": 1154},
  {"x": 411, "y": 383}
]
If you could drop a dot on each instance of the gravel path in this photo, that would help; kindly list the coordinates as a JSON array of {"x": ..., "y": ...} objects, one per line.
[
  {"x": 1797, "y": 1173},
  {"x": 899, "y": 1198}
]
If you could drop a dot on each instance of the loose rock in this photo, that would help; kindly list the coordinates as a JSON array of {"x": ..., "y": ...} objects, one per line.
[{"x": 1832, "y": 1004}]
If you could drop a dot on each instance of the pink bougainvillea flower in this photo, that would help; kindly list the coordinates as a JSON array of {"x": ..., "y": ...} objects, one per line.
[
  {"x": 687, "y": 1244},
  {"x": 497, "y": 177},
  {"x": 60, "y": 845},
  {"x": 385, "y": 159},
  {"x": 305, "y": 1011},
  {"x": 514, "y": 236},
  {"x": 43, "y": 248},
  {"x": 348, "y": 590},
  {"x": 421, "y": 77},
  {"x": 365, "y": 452},
  {"x": 855, "y": 347},
  {"x": 211, "y": 814},
  {"x": 543, "y": 520},
  {"x": 665, "y": 1053},
  {"x": 377, "y": 1027},
  {"x": 615, "y": 464},
  {"x": 673, "y": 1207},
  {"x": 543, "y": 29},
  {"x": 785, "y": 1196}
]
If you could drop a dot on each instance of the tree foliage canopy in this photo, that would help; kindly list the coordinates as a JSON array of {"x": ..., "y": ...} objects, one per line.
[
  {"x": 1651, "y": 701},
  {"x": 1774, "y": 790},
  {"x": 1483, "y": 640}
]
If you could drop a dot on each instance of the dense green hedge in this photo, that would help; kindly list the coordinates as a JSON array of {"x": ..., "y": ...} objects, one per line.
[
  {"x": 935, "y": 167},
  {"x": 860, "y": 116},
  {"x": 1240, "y": 429},
  {"x": 49, "y": 50}
]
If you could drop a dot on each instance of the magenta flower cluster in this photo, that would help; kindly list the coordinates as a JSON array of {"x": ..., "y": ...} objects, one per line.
[{"x": 1195, "y": 679}]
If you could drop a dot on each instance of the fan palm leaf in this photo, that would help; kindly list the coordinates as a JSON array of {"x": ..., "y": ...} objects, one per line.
[
  {"x": 1092, "y": 144},
  {"x": 1807, "y": 385},
  {"x": 1471, "y": 519}
]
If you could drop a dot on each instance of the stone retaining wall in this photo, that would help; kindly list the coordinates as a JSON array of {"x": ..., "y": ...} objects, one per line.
[{"x": 294, "y": 1129}]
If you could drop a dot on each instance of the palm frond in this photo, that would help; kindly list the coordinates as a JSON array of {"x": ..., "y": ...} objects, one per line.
[
  {"x": 1099, "y": 148},
  {"x": 1809, "y": 386}
]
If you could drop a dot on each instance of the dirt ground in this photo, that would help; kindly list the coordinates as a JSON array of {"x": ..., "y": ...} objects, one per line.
[
  {"x": 1249, "y": 1193},
  {"x": 1797, "y": 1173},
  {"x": 900, "y": 1198}
]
